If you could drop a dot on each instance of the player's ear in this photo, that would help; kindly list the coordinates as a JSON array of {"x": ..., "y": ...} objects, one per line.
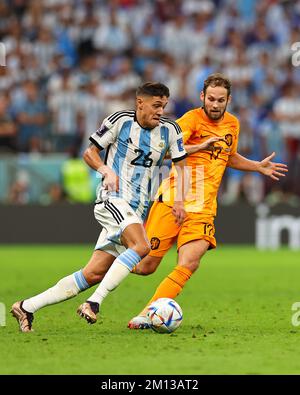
[
  {"x": 202, "y": 96},
  {"x": 139, "y": 102},
  {"x": 229, "y": 99}
]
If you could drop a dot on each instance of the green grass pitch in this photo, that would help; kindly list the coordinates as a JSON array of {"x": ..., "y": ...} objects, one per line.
[{"x": 237, "y": 317}]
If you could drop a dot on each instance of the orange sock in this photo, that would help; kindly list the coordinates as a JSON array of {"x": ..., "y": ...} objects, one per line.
[{"x": 171, "y": 286}]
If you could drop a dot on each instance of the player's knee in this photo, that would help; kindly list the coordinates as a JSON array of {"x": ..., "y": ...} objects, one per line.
[{"x": 142, "y": 249}]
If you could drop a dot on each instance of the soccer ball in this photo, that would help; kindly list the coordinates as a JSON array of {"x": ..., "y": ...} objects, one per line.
[{"x": 165, "y": 315}]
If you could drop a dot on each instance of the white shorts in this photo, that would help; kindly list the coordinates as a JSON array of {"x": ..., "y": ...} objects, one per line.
[{"x": 114, "y": 215}]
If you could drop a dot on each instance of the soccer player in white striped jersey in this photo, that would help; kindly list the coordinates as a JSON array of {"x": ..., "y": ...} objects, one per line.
[{"x": 135, "y": 142}]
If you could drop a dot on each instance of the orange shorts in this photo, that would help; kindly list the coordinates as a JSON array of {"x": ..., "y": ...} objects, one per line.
[{"x": 162, "y": 229}]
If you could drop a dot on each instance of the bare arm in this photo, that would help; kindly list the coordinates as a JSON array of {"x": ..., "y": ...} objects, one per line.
[
  {"x": 239, "y": 162},
  {"x": 92, "y": 158},
  {"x": 207, "y": 145},
  {"x": 265, "y": 167}
]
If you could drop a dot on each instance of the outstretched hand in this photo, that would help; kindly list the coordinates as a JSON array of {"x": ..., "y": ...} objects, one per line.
[{"x": 271, "y": 169}]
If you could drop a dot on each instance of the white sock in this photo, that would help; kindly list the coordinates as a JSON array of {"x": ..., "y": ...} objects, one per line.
[
  {"x": 66, "y": 288},
  {"x": 120, "y": 269}
]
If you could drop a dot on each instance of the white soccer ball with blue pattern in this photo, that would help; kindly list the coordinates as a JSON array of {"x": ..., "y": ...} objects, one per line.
[{"x": 165, "y": 315}]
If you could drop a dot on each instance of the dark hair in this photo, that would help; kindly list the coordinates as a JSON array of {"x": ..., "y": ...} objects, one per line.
[
  {"x": 153, "y": 89},
  {"x": 217, "y": 79}
]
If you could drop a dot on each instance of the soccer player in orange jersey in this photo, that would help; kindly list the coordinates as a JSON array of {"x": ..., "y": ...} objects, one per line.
[{"x": 211, "y": 139}]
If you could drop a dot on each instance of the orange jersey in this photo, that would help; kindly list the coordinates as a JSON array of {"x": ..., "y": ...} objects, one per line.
[{"x": 206, "y": 168}]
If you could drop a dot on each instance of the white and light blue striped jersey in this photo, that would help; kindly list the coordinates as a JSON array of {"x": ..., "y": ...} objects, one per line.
[{"x": 134, "y": 153}]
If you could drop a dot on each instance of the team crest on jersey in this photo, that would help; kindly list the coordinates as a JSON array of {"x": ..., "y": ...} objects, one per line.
[
  {"x": 228, "y": 139},
  {"x": 161, "y": 144},
  {"x": 155, "y": 242}
]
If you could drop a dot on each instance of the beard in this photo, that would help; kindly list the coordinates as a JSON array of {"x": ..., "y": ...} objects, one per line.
[{"x": 214, "y": 116}]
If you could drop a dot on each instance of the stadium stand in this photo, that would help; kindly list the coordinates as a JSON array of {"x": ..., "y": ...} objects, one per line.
[{"x": 71, "y": 63}]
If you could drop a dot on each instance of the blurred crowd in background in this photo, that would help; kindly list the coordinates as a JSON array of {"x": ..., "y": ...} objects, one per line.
[{"x": 70, "y": 63}]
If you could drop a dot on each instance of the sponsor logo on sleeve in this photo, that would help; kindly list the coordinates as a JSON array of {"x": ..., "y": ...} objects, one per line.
[
  {"x": 180, "y": 145},
  {"x": 102, "y": 130}
]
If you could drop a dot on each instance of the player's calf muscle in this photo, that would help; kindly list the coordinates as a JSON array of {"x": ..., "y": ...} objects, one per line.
[
  {"x": 191, "y": 265},
  {"x": 147, "y": 266},
  {"x": 92, "y": 278},
  {"x": 95, "y": 269}
]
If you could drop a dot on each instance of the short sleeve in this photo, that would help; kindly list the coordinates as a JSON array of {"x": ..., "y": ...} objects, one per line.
[
  {"x": 176, "y": 148},
  {"x": 186, "y": 125},
  {"x": 106, "y": 134},
  {"x": 236, "y": 139}
]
